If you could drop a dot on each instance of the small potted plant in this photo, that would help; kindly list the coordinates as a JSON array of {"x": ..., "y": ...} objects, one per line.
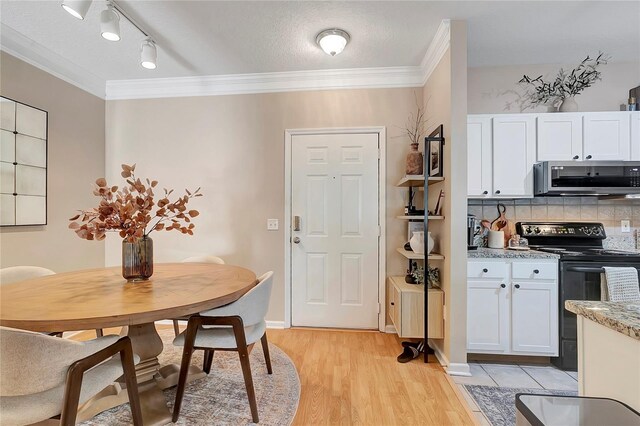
[
  {"x": 562, "y": 90},
  {"x": 129, "y": 211}
]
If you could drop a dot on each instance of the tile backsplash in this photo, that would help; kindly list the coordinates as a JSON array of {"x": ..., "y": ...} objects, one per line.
[{"x": 566, "y": 209}]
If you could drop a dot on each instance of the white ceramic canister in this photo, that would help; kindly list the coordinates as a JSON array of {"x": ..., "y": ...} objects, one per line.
[
  {"x": 496, "y": 239},
  {"x": 417, "y": 242}
]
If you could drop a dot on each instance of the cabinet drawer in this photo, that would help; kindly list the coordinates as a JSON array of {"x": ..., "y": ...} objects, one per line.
[
  {"x": 483, "y": 269},
  {"x": 535, "y": 271}
]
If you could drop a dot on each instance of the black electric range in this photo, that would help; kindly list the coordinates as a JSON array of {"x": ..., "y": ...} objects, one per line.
[{"x": 582, "y": 257}]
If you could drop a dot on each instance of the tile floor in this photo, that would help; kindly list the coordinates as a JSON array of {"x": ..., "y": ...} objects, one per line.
[{"x": 514, "y": 376}]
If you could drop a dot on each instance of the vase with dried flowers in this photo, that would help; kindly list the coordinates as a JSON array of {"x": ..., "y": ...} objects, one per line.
[
  {"x": 129, "y": 211},
  {"x": 414, "y": 130}
]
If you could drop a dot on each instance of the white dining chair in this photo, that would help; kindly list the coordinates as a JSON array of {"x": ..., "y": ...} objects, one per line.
[
  {"x": 42, "y": 377},
  {"x": 194, "y": 259},
  {"x": 14, "y": 274},
  {"x": 237, "y": 327}
]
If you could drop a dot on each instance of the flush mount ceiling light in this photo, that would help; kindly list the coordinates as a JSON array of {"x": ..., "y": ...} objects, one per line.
[
  {"x": 110, "y": 24},
  {"x": 148, "y": 54},
  {"x": 333, "y": 41},
  {"x": 77, "y": 8}
]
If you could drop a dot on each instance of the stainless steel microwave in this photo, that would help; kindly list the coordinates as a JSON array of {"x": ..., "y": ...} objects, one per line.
[{"x": 586, "y": 178}]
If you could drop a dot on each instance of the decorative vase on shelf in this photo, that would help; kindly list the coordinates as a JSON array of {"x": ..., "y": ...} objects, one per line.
[
  {"x": 137, "y": 259},
  {"x": 414, "y": 161},
  {"x": 568, "y": 105},
  {"x": 430, "y": 243},
  {"x": 417, "y": 242}
]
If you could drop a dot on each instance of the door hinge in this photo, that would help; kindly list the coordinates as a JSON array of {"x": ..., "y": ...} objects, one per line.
[
  {"x": 379, "y": 231},
  {"x": 379, "y": 154},
  {"x": 379, "y": 308}
]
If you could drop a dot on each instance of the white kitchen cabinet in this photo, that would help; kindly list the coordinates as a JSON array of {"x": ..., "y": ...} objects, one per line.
[
  {"x": 635, "y": 136},
  {"x": 487, "y": 316},
  {"x": 514, "y": 139},
  {"x": 512, "y": 306},
  {"x": 607, "y": 136},
  {"x": 534, "y": 317},
  {"x": 479, "y": 157},
  {"x": 559, "y": 137}
]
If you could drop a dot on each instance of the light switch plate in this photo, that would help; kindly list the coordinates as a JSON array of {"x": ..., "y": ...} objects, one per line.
[
  {"x": 272, "y": 224},
  {"x": 625, "y": 225}
]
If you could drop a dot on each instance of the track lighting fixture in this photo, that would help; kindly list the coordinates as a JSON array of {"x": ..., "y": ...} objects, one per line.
[
  {"x": 110, "y": 27},
  {"x": 148, "y": 54},
  {"x": 110, "y": 24},
  {"x": 76, "y": 8}
]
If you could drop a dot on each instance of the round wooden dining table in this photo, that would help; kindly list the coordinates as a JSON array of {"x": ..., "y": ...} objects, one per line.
[{"x": 101, "y": 298}]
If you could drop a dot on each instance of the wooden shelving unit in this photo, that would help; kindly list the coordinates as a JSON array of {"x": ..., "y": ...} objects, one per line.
[{"x": 419, "y": 183}]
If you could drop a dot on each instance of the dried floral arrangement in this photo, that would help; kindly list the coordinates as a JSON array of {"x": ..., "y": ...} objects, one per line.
[
  {"x": 129, "y": 210},
  {"x": 565, "y": 85},
  {"x": 416, "y": 126}
]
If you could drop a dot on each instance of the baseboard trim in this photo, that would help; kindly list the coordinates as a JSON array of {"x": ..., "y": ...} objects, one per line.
[
  {"x": 390, "y": 328},
  {"x": 452, "y": 369},
  {"x": 275, "y": 324}
]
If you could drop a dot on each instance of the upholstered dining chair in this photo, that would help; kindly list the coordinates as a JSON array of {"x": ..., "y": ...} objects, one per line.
[
  {"x": 43, "y": 377},
  {"x": 195, "y": 259},
  {"x": 237, "y": 327},
  {"x": 14, "y": 274}
]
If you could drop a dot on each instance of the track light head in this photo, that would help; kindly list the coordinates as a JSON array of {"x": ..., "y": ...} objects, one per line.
[
  {"x": 76, "y": 8},
  {"x": 149, "y": 54},
  {"x": 110, "y": 24}
]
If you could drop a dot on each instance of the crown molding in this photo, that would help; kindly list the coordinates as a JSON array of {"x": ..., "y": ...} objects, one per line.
[
  {"x": 20, "y": 46},
  {"x": 237, "y": 84},
  {"x": 436, "y": 50},
  {"x": 27, "y": 50}
]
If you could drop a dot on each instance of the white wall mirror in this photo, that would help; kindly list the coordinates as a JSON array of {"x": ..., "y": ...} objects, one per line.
[{"x": 23, "y": 164}]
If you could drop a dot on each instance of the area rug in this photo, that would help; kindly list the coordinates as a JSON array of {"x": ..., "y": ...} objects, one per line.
[
  {"x": 221, "y": 398},
  {"x": 499, "y": 404}
]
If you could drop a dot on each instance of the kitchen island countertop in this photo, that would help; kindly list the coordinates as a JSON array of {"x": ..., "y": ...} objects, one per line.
[
  {"x": 623, "y": 317},
  {"x": 484, "y": 252}
]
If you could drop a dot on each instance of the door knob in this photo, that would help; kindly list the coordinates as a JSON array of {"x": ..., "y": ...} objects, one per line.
[{"x": 296, "y": 240}]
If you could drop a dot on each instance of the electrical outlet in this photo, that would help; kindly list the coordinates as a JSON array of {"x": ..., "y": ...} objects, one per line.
[
  {"x": 272, "y": 224},
  {"x": 625, "y": 225}
]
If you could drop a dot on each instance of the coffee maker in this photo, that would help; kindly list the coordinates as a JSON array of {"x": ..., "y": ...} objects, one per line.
[{"x": 473, "y": 226}]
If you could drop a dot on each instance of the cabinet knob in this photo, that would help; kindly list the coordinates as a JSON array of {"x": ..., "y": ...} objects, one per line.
[
  {"x": 392, "y": 304},
  {"x": 575, "y": 157},
  {"x": 517, "y": 286},
  {"x": 498, "y": 191},
  {"x": 503, "y": 285},
  {"x": 485, "y": 270},
  {"x": 588, "y": 157},
  {"x": 536, "y": 271},
  {"x": 485, "y": 192}
]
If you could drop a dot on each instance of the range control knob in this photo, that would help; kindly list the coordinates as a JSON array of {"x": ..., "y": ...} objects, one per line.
[
  {"x": 597, "y": 231},
  {"x": 587, "y": 231}
]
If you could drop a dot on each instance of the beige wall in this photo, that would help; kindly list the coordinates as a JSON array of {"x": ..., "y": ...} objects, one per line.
[
  {"x": 233, "y": 146},
  {"x": 445, "y": 96},
  {"x": 75, "y": 160},
  {"x": 494, "y": 89}
]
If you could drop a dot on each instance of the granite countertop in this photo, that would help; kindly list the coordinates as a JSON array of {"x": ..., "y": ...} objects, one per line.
[
  {"x": 483, "y": 252},
  {"x": 623, "y": 317}
]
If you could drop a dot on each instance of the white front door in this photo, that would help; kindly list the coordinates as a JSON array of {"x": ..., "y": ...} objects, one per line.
[{"x": 334, "y": 252}]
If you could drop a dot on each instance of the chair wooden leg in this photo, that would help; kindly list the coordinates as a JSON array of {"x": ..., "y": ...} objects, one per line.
[
  {"x": 99, "y": 332},
  {"x": 265, "y": 349},
  {"x": 176, "y": 327},
  {"x": 246, "y": 370},
  {"x": 208, "y": 360},
  {"x": 187, "y": 352},
  {"x": 71, "y": 398},
  {"x": 129, "y": 370}
]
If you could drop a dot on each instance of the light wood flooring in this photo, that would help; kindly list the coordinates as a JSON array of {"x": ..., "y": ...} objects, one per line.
[{"x": 352, "y": 377}]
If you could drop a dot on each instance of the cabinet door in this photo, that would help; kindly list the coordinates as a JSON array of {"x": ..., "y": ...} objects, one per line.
[
  {"x": 559, "y": 137},
  {"x": 397, "y": 310},
  {"x": 534, "y": 317},
  {"x": 487, "y": 316},
  {"x": 635, "y": 136},
  {"x": 607, "y": 136},
  {"x": 514, "y": 139},
  {"x": 479, "y": 156}
]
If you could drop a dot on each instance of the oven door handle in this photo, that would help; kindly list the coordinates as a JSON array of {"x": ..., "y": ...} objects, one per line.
[{"x": 585, "y": 269}]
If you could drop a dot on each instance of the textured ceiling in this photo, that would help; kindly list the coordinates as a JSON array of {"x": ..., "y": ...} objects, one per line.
[{"x": 210, "y": 37}]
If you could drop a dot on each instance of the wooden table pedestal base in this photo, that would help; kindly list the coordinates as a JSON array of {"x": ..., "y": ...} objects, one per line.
[{"x": 152, "y": 380}]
